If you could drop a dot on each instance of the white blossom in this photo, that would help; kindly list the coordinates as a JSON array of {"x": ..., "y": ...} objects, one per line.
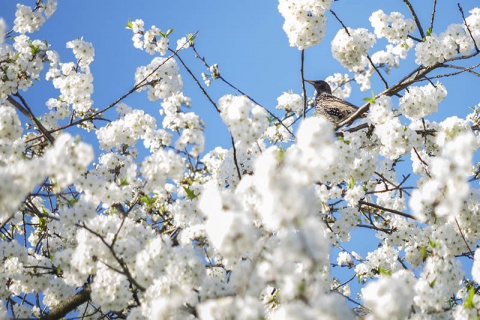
[
  {"x": 350, "y": 47},
  {"x": 305, "y": 21},
  {"x": 419, "y": 102}
]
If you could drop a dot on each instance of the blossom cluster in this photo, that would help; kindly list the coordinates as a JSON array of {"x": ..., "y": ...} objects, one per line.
[
  {"x": 350, "y": 47},
  {"x": 152, "y": 41},
  {"x": 290, "y": 102},
  {"x": 395, "y": 138},
  {"x": 419, "y": 102},
  {"x": 245, "y": 120},
  {"x": 214, "y": 74},
  {"x": 22, "y": 63},
  {"x": 305, "y": 21},
  {"x": 456, "y": 39},
  {"x": 161, "y": 77},
  {"x": 394, "y": 27},
  {"x": 75, "y": 85},
  {"x": 28, "y": 20}
]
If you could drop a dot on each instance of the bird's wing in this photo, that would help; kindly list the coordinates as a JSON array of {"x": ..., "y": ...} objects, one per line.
[{"x": 334, "y": 102}]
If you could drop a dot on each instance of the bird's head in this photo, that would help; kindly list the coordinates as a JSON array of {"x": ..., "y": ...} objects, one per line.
[{"x": 320, "y": 86}]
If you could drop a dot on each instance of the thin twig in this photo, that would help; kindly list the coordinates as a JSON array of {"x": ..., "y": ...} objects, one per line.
[
  {"x": 341, "y": 22},
  {"x": 235, "y": 158},
  {"x": 197, "y": 55},
  {"x": 463, "y": 237},
  {"x": 415, "y": 17},
  {"x": 378, "y": 71},
  {"x": 432, "y": 18},
  {"x": 119, "y": 260},
  {"x": 25, "y": 109},
  {"x": 376, "y": 206},
  {"x": 462, "y": 69},
  {"x": 468, "y": 28},
  {"x": 302, "y": 61},
  {"x": 205, "y": 93},
  {"x": 425, "y": 165},
  {"x": 214, "y": 105}
]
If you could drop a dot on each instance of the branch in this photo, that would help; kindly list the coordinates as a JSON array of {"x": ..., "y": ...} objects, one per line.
[
  {"x": 119, "y": 260},
  {"x": 462, "y": 70},
  {"x": 341, "y": 22},
  {"x": 214, "y": 105},
  {"x": 68, "y": 305},
  {"x": 415, "y": 75},
  {"x": 434, "y": 11},
  {"x": 235, "y": 158},
  {"x": 25, "y": 109},
  {"x": 463, "y": 237},
  {"x": 468, "y": 28},
  {"x": 376, "y": 206},
  {"x": 196, "y": 80},
  {"x": 197, "y": 55},
  {"x": 378, "y": 71},
  {"x": 415, "y": 17},
  {"x": 303, "y": 84}
]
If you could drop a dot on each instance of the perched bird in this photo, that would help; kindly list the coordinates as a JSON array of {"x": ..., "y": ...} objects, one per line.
[{"x": 326, "y": 104}]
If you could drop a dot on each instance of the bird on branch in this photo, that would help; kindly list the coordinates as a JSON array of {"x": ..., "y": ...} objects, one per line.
[{"x": 329, "y": 106}]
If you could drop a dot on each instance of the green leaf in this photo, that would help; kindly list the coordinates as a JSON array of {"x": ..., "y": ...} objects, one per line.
[
  {"x": 124, "y": 183},
  {"x": 169, "y": 31},
  {"x": 129, "y": 24},
  {"x": 301, "y": 287},
  {"x": 347, "y": 142},
  {"x": 35, "y": 49},
  {"x": 72, "y": 202},
  {"x": 351, "y": 183},
  {"x": 429, "y": 32},
  {"x": 147, "y": 201},
  {"x": 370, "y": 100},
  {"x": 469, "y": 301},
  {"x": 423, "y": 253},
  {"x": 191, "y": 38},
  {"x": 190, "y": 193},
  {"x": 280, "y": 154},
  {"x": 42, "y": 222},
  {"x": 384, "y": 272},
  {"x": 58, "y": 270}
]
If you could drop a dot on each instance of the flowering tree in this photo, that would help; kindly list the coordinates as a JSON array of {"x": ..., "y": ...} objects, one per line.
[{"x": 256, "y": 230}]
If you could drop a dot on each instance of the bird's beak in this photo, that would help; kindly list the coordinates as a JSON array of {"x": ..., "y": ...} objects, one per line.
[{"x": 309, "y": 81}]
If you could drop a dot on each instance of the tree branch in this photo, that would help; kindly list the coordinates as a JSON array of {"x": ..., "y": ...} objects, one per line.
[
  {"x": 68, "y": 305},
  {"x": 376, "y": 206},
  {"x": 468, "y": 27},
  {"x": 434, "y": 11},
  {"x": 378, "y": 71},
  {"x": 302, "y": 61},
  {"x": 415, "y": 17},
  {"x": 197, "y": 55},
  {"x": 25, "y": 109}
]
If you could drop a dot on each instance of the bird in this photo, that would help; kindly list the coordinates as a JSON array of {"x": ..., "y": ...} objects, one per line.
[{"x": 329, "y": 106}]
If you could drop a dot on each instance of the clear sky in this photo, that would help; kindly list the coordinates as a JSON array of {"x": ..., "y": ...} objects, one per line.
[{"x": 245, "y": 38}]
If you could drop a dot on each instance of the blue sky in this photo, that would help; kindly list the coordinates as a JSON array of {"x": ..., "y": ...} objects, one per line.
[{"x": 245, "y": 38}]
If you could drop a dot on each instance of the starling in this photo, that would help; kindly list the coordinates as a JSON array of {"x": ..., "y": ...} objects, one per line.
[{"x": 326, "y": 104}]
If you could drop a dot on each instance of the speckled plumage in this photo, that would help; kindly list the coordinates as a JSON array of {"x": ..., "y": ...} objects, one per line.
[{"x": 331, "y": 107}]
